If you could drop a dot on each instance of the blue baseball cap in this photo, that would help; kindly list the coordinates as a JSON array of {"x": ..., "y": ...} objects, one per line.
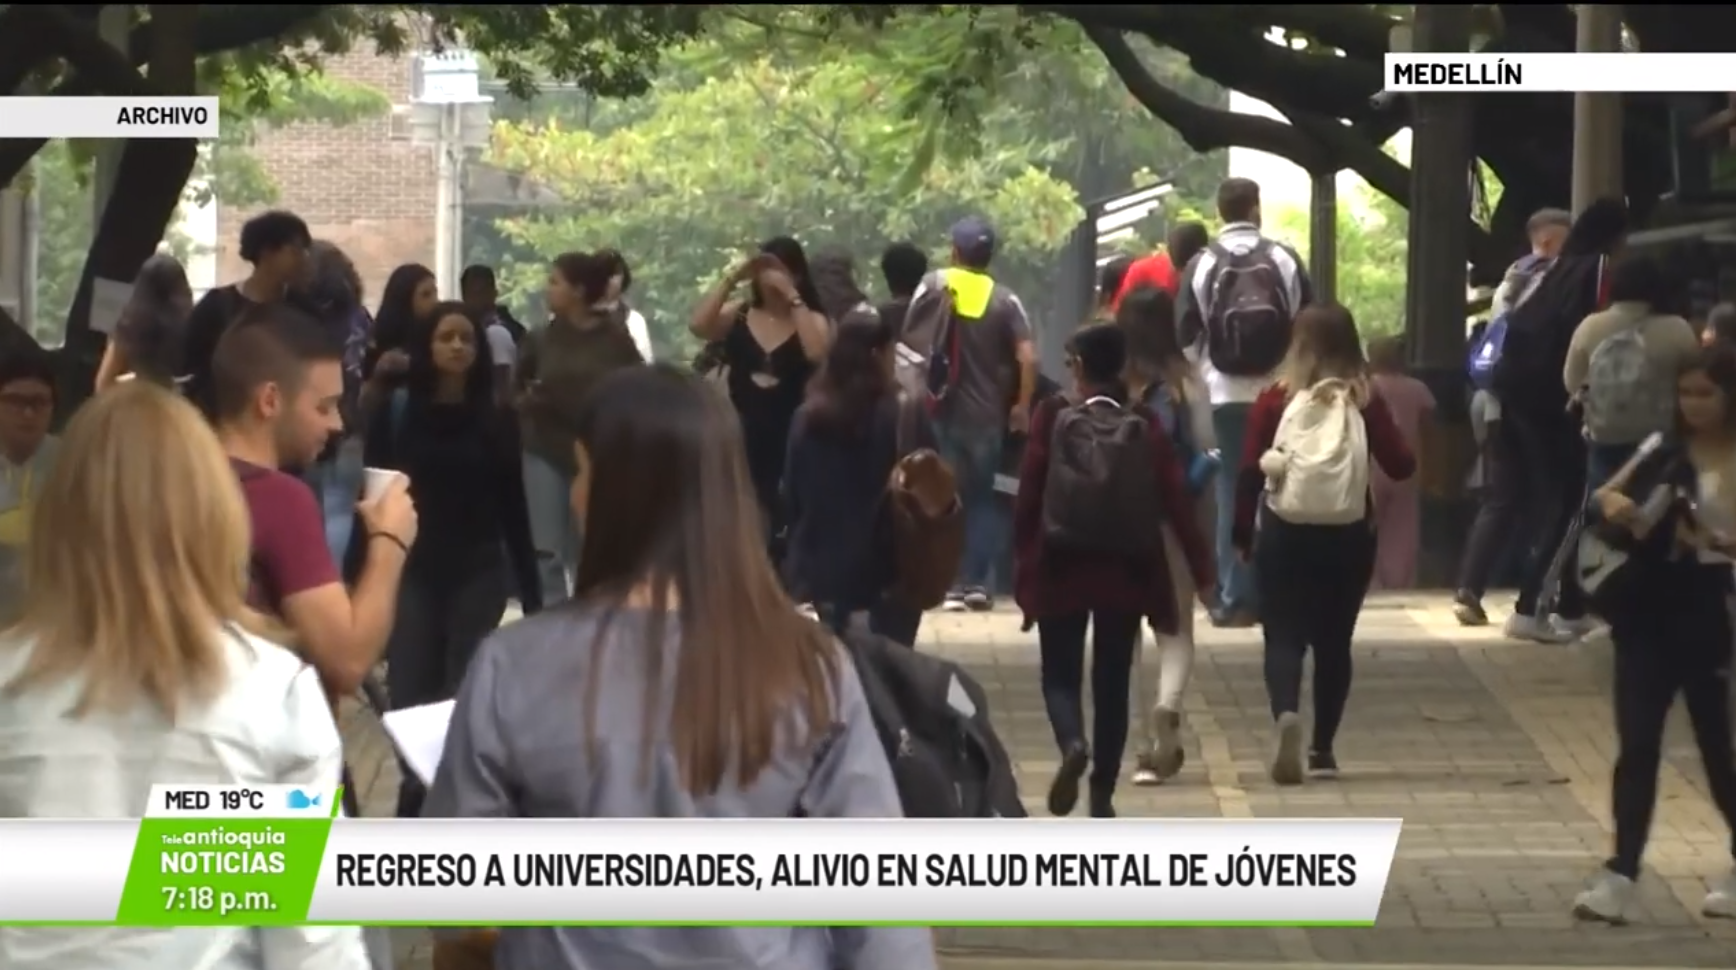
[{"x": 974, "y": 239}]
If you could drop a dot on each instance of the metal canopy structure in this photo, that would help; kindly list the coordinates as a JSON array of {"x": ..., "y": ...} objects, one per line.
[{"x": 1104, "y": 222}]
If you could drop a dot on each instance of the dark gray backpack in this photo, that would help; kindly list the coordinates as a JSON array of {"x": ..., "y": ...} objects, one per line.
[
  {"x": 1101, "y": 493},
  {"x": 1248, "y": 312}
]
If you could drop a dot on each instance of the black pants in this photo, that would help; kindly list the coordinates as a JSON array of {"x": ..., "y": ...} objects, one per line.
[
  {"x": 440, "y": 623},
  {"x": 1536, "y": 486},
  {"x": 1312, "y": 582},
  {"x": 1114, "y": 639},
  {"x": 1668, "y": 647}
]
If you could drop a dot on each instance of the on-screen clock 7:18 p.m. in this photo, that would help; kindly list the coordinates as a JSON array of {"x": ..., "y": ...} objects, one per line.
[{"x": 204, "y": 899}]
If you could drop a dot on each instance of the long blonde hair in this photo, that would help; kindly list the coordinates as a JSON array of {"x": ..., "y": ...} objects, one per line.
[
  {"x": 1324, "y": 345},
  {"x": 137, "y": 558}
]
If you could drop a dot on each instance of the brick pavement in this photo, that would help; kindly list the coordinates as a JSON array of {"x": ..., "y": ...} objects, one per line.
[{"x": 1497, "y": 756}]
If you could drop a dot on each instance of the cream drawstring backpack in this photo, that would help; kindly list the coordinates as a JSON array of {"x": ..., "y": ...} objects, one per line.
[{"x": 1317, "y": 468}]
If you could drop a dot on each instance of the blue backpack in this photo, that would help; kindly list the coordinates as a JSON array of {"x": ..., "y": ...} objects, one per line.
[
  {"x": 1199, "y": 466},
  {"x": 1486, "y": 353},
  {"x": 1486, "y": 349}
]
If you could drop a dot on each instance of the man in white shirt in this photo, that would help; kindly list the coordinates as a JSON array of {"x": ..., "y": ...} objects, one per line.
[{"x": 1238, "y": 337}]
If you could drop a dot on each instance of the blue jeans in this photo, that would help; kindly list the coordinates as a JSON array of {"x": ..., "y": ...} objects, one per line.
[
  {"x": 554, "y": 531},
  {"x": 337, "y": 484},
  {"x": 1235, "y": 578},
  {"x": 974, "y": 455}
]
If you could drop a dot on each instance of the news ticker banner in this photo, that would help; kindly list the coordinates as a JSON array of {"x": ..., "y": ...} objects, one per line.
[
  {"x": 266, "y": 856},
  {"x": 94, "y": 117},
  {"x": 1618, "y": 73}
]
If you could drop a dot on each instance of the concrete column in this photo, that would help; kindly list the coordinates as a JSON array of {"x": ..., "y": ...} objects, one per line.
[
  {"x": 1323, "y": 235},
  {"x": 1440, "y": 202},
  {"x": 1597, "y": 118},
  {"x": 13, "y": 245}
]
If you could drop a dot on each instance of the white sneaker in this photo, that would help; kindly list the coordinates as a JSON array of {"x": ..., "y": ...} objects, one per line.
[
  {"x": 954, "y": 603},
  {"x": 1577, "y": 629},
  {"x": 1287, "y": 752},
  {"x": 1605, "y": 900},
  {"x": 1721, "y": 901},
  {"x": 1522, "y": 627}
]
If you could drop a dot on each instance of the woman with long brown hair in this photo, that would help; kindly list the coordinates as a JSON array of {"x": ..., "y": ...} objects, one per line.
[
  {"x": 137, "y": 662},
  {"x": 1160, "y": 377},
  {"x": 1304, "y": 478},
  {"x": 680, "y": 682}
]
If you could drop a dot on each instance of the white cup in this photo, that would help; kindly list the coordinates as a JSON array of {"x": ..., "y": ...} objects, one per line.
[{"x": 375, "y": 481}]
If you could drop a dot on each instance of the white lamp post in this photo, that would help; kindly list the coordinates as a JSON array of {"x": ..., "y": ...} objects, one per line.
[{"x": 450, "y": 114}]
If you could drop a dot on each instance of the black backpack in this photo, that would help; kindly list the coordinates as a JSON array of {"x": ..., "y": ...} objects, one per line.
[
  {"x": 1527, "y": 377},
  {"x": 1248, "y": 312},
  {"x": 1101, "y": 493},
  {"x": 933, "y": 719}
]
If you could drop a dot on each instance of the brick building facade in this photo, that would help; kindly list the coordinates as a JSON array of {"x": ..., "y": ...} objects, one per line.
[{"x": 356, "y": 186}]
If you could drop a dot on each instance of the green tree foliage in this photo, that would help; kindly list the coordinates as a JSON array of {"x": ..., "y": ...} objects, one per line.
[
  {"x": 764, "y": 152},
  {"x": 823, "y": 140},
  {"x": 1372, "y": 244}
]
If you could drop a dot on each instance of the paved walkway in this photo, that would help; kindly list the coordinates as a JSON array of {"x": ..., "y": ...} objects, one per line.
[{"x": 1497, "y": 755}]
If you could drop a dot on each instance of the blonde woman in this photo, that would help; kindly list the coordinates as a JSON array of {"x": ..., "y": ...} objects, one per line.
[
  {"x": 136, "y": 662},
  {"x": 1313, "y": 570},
  {"x": 1160, "y": 377}
]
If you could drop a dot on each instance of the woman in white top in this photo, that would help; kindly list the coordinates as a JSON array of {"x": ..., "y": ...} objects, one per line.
[
  {"x": 136, "y": 662},
  {"x": 615, "y": 301}
]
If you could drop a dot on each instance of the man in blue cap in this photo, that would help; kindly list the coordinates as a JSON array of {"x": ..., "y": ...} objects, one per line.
[{"x": 982, "y": 373}]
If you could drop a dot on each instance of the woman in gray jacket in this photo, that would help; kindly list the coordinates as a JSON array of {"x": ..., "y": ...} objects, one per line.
[{"x": 676, "y": 609}]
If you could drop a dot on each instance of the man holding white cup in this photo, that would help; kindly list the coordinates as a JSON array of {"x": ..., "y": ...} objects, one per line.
[{"x": 277, "y": 380}]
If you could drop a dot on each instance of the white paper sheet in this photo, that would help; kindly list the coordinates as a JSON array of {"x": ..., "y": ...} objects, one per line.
[
  {"x": 108, "y": 300},
  {"x": 419, "y": 734}
]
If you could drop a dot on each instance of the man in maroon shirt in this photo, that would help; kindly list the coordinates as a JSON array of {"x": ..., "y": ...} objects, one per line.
[{"x": 277, "y": 378}]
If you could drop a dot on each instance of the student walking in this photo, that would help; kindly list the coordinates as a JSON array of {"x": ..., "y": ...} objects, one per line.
[
  {"x": 1236, "y": 303},
  {"x": 1160, "y": 377},
  {"x": 460, "y": 449},
  {"x": 1090, "y": 555},
  {"x": 1669, "y": 619},
  {"x": 1304, "y": 479}
]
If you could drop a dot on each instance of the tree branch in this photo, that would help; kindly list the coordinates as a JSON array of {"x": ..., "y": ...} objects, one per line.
[
  {"x": 1204, "y": 129},
  {"x": 1237, "y": 55},
  {"x": 230, "y": 26},
  {"x": 88, "y": 54},
  {"x": 221, "y": 28}
]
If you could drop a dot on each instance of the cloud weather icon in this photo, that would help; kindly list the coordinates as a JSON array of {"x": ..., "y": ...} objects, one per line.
[{"x": 301, "y": 799}]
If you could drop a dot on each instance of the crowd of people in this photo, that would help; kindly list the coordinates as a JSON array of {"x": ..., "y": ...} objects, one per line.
[{"x": 274, "y": 466}]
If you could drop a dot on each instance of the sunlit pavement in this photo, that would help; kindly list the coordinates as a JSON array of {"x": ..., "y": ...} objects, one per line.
[{"x": 1496, "y": 754}]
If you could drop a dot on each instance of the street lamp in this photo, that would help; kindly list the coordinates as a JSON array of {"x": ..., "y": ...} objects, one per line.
[{"x": 449, "y": 113}]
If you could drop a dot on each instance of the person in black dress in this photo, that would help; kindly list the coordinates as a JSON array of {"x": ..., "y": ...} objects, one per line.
[
  {"x": 771, "y": 343},
  {"x": 445, "y": 430}
]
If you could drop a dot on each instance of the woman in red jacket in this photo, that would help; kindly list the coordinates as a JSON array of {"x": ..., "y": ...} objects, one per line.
[
  {"x": 1066, "y": 590},
  {"x": 1313, "y": 571}
]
